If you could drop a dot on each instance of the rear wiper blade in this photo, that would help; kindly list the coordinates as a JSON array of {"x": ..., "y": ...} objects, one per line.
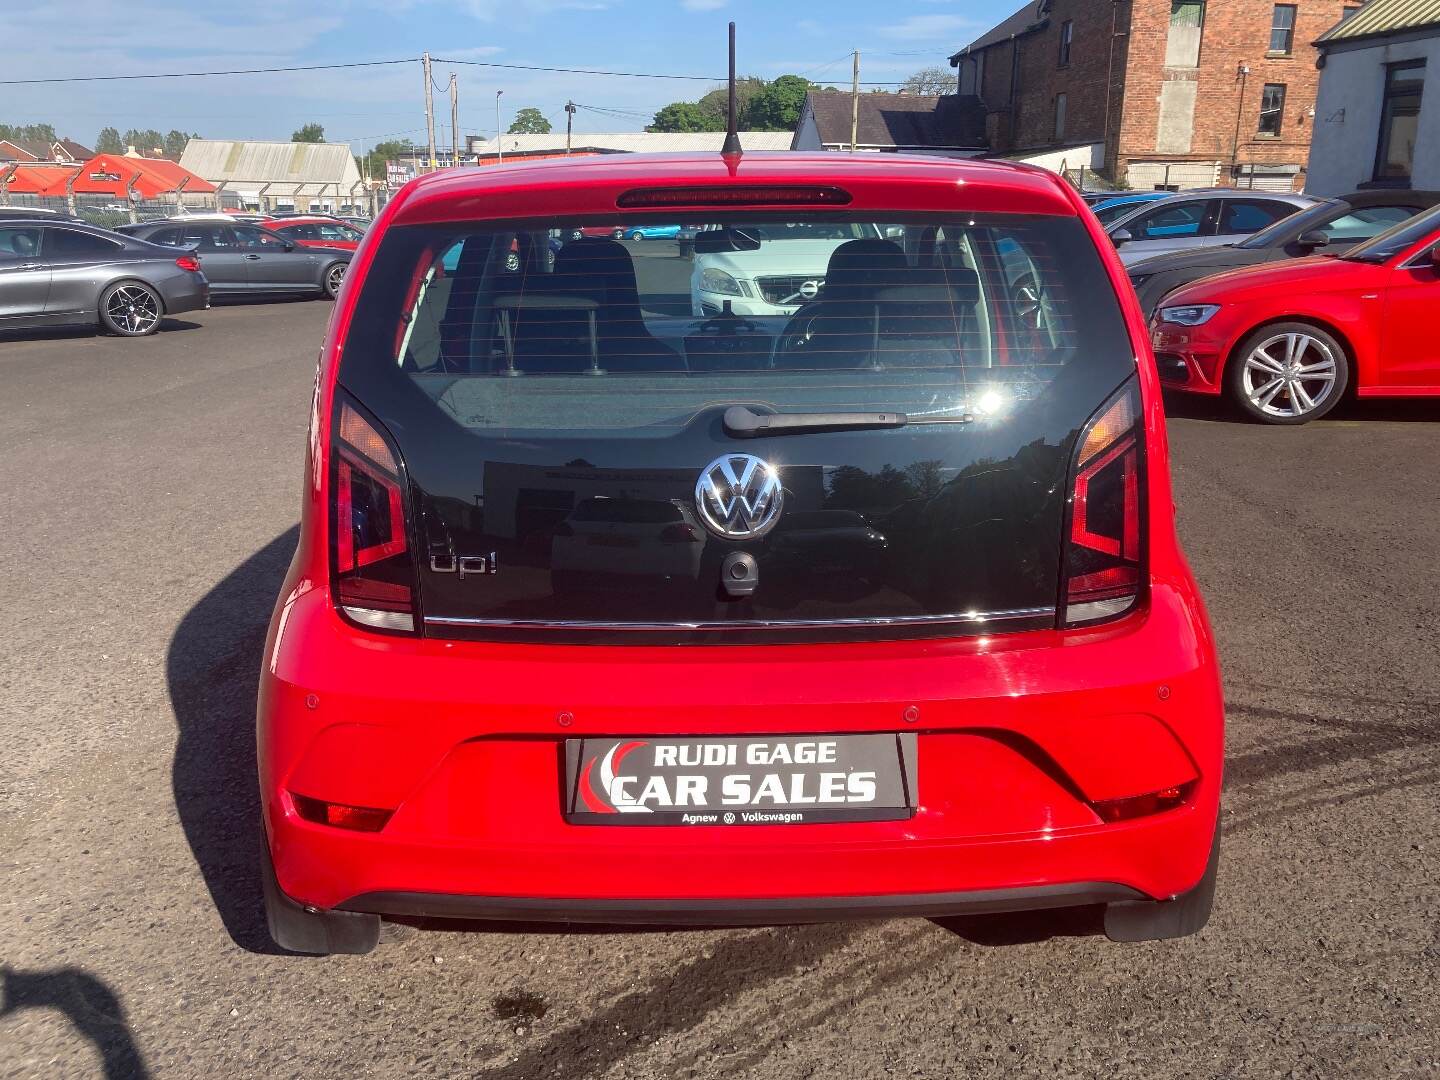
[{"x": 744, "y": 423}]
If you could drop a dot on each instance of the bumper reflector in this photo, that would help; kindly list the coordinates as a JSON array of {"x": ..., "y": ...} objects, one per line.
[
  {"x": 358, "y": 818},
  {"x": 1156, "y": 802}
]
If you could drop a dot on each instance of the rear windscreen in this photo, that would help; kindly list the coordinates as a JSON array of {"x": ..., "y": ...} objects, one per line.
[{"x": 599, "y": 326}]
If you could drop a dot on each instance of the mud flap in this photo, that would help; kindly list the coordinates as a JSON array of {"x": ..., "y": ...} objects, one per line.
[
  {"x": 1157, "y": 920},
  {"x": 317, "y": 932}
]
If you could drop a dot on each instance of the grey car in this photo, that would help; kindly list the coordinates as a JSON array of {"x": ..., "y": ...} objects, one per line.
[
  {"x": 246, "y": 260},
  {"x": 56, "y": 273},
  {"x": 1196, "y": 219}
]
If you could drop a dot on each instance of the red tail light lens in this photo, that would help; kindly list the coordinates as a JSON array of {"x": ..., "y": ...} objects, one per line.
[
  {"x": 188, "y": 262},
  {"x": 1105, "y": 546},
  {"x": 374, "y": 571}
]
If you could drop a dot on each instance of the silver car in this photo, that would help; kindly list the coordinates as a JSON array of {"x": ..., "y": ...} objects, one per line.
[
  {"x": 247, "y": 260},
  {"x": 56, "y": 273},
  {"x": 1196, "y": 219}
]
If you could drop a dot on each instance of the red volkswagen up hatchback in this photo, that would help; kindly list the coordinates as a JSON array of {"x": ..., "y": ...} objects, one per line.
[{"x": 605, "y": 612}]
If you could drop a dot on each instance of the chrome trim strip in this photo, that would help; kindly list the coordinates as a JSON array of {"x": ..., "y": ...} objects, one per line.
[{"x": 969, "y": 618}]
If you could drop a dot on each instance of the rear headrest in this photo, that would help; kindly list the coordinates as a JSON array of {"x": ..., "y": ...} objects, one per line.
[
  {"x": 600, "y": 270},
  {"x": 858, "y": 267}
]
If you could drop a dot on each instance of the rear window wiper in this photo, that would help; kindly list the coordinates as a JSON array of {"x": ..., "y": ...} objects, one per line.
[{"x": 744, "y": 423}]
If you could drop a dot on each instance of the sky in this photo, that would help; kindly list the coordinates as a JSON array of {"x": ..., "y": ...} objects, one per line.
[{"x": 69, "y": 38}]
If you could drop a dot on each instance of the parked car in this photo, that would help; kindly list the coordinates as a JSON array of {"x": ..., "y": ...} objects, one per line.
[
  {"x": 627, "y": 543},
  {"x": 1194, "y": 219},
  {"x": 33, "y": 213},
  {"x": 247, "y": 260},
  {"x": 318, "y": 232},
  {"x": 1108, "y": 210},
  {"x": 770, "y": 268},
  {"x": 360, "y": 223},
  {"x": 1285, "y": 341},
  {"x": 58, "y": 273},
  {"x": 652, "y": 232},
  {"x": 441, "y": 734},
  {"x": 1332, "y": 226}
]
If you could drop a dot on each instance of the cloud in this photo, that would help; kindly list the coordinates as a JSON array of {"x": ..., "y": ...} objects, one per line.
[
  {"x": 703, "y": 5},
  {"x": 923, "y": 27}
]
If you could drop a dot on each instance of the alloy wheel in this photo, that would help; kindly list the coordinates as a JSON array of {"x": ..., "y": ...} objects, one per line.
[
  {"x": 1289, "y": 375},
  {"x": 333, "y": 277},
  {"x": 133, "y": 309}
]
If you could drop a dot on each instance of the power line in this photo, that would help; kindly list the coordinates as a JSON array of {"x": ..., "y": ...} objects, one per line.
[
  {"x": 201, "y": 74},
  {"x": 580, "y": 71}
]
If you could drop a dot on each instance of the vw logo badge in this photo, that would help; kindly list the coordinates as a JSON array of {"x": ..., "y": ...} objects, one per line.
[{"x": 739, "y": 496}]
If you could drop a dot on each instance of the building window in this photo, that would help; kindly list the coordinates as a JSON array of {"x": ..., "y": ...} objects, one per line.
[
  {"x": 1067, "y": 35},
  {"x": 1060, "y": 103},
  {"x": 1346, "y": 13},
  {"x": 1272, "y": 109},
  {"x": 1187, "y": 23},
  {"x": 1282, "y": 29},
  {"x": 1399, "y": 120}
]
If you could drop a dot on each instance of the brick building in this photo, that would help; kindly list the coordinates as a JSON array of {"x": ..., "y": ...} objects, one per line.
[{"x": 1177, "y": 93}]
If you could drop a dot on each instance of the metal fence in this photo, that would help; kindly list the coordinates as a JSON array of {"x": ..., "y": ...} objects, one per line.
[{"x": 109, "y": 211}]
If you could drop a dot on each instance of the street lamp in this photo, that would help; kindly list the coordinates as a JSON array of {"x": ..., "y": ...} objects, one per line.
[{"x": 499, "y": 150}]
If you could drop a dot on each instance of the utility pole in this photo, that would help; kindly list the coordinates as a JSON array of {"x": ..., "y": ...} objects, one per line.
[
  {"x": 569, "y": 117},
  {"x": 454, "y": 120},
  {"x": 855, "y": 102},
  {"x": 499, "y": 151},
  {"x": 429, "y": 109}
]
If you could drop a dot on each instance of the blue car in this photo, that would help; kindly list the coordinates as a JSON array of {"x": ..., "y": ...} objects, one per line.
[
  {"x": 652, "y": 232},
  {"x": 1112, "y": 210}
]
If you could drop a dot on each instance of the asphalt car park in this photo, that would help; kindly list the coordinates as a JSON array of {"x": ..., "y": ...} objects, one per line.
[{"x": 151, "y": 489}]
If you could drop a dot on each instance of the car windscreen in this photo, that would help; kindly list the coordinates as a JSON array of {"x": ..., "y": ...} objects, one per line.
[
  {"x": 1298, "y": 223},
  {"x": 519, "y": 329},
  {"x": 1394, "y": 240}
]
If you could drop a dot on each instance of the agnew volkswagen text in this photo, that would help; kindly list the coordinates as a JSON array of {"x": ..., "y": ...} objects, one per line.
[{"x": 607, "y": 610}]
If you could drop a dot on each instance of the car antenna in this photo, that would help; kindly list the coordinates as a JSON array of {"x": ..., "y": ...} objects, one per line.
[{"x": 732, "y": 149}]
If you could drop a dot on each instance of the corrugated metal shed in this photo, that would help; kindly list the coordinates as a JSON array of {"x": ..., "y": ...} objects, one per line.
[
  {"x": 633, "y": 142},
  {"x": 289, "y": 168},
  {"x": 1385, "y": 17}
]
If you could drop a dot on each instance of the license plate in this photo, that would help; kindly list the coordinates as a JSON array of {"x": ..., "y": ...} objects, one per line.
[
  {"x": 604, "y": 540},
  {"x": 781, "y": 780}
]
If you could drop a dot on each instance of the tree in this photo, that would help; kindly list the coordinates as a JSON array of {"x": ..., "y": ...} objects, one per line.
[
  {"x": 777, "y": 107},
  {"x": 148, "y": 139},
  {"x": 930, "y": 82},
  {"x": 175, "y": 143},
  {"x": 684, "y": 116},
  {"x": 716, "y": 104},
  {"x": 109, "y": 142},
  {"x": 37, "y": 134},
  {"x": 309, "y": 133},
  {"x": 373, "y": 163},
  {"x": 529, "y": 122}
]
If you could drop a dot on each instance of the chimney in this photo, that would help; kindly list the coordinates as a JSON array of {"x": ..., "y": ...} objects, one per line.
[{"x": 130, "y": 151}]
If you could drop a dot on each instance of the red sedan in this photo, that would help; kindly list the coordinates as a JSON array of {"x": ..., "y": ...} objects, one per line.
[
  {"x": 1286, "y": 341},
  {"x": 550, "y": 648},
  {"x": 317, "y": 231}
]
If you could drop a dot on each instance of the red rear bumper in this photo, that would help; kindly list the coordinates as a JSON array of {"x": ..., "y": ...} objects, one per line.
[{"x": 1018, "y": 737}]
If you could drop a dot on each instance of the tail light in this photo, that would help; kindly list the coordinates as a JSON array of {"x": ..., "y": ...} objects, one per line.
[
  {"x": 373, "y": 578},
  {"x": 188, "y": 262},
  {"x": 1104, "y": 550},
  {"x": 679, "y": 534}
]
